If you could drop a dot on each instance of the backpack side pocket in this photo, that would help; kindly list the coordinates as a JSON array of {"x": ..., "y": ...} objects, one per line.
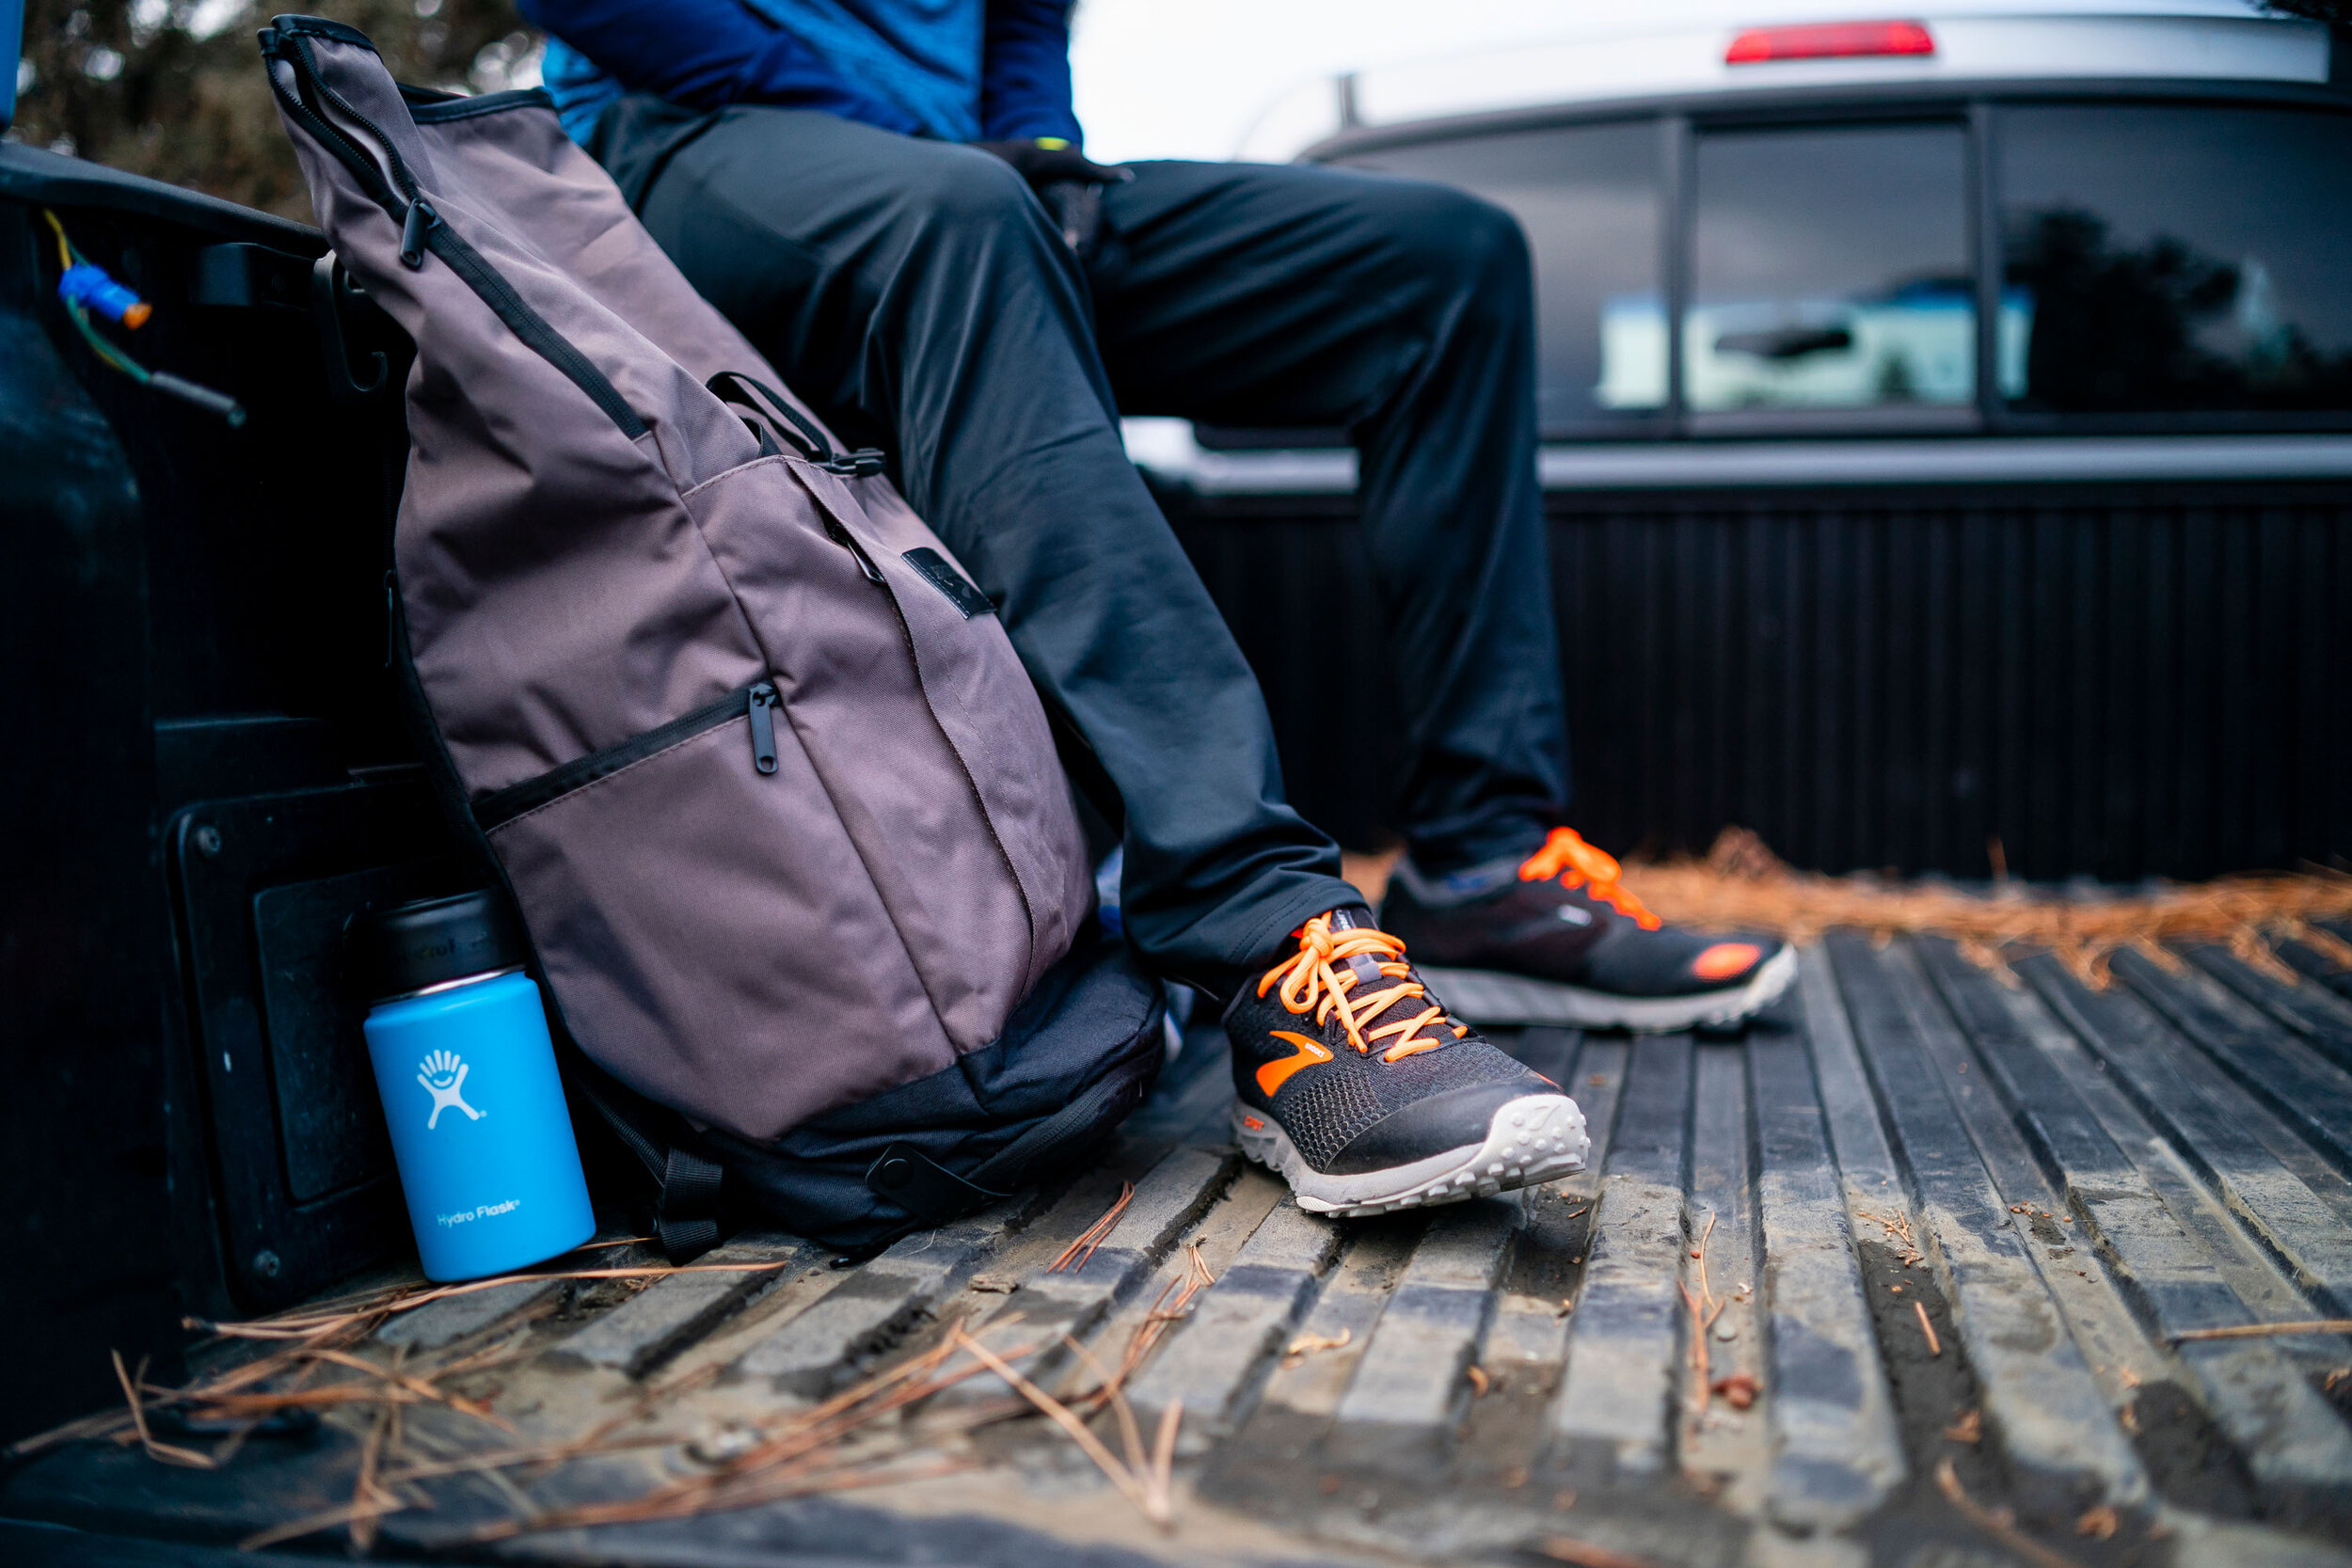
[{"x": 711, "y": 928}]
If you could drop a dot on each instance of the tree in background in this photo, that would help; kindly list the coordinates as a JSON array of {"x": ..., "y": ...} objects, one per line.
[{"x": 174, "y": 90}]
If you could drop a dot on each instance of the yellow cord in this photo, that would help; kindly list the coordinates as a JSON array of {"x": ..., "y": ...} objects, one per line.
[{"x": 65, "y": 246}]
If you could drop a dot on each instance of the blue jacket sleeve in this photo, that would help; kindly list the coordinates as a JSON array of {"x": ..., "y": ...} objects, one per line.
[
  {"x": 1024, "y": 71},
  {"x": 708, "y": 53}
]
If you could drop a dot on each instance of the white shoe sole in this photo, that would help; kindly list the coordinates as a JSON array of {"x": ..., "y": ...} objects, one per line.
[
  {"x": 1487, "y": 996},
  {"x": 1534, "y": 1138}
]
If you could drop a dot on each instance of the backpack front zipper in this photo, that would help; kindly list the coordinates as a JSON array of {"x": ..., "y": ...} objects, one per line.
[{"x": 760, "y": 699}]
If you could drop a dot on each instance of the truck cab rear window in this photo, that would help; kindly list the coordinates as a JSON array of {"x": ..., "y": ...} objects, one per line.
[
  {"x": 2181, "y": 258},
  {"x": 1829, "y": 271}
]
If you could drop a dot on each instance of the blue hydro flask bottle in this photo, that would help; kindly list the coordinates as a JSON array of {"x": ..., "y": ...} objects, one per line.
[{"x": 459, "y": 1039}]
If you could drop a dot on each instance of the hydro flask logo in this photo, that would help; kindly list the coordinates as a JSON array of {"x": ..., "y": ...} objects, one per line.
[{"x": 443, "y": 1077}]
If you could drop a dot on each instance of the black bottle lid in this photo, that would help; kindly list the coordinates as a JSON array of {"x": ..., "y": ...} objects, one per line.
[{"x": 412, "y": 947}]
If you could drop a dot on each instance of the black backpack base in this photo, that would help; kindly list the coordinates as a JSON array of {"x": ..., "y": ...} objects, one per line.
[{"x": 1031, "y": 1106}]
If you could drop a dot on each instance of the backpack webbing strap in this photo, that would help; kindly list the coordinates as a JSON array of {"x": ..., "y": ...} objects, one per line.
[
  {"x": 686, "y": 1209},
  {"x": 685, "y": 1215}
]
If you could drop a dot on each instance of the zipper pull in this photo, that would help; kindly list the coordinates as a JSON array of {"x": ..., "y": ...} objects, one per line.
[
  {"x": 420, "y": 217},
  {"x": 848, "y": 541},
  {"x": 764, "y": 704}
]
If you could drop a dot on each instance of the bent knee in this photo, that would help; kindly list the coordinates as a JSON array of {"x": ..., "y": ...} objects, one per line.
[
  {"x": 1453, "y": 234},
  {"x": 961, "y": 186}
]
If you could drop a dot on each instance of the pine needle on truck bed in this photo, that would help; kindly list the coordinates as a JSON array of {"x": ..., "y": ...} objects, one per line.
[{"x": 1741, "y": 885}]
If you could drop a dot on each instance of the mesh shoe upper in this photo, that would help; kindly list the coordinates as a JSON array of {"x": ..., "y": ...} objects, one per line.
[
  {"x": 1331, "y": 1084},
  {"x": 1563, "y": 916}
]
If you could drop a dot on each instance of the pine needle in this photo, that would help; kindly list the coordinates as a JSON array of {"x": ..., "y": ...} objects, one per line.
[
  {"x": 1163, "y": 1476},
  {"x": 2260, "y": 1331},
  {"x": 1567, "y": 1548},
  {"x": 1129, "y": 1486},
  {"x": 369, "y": 1501},
  {"x": 428, "y": 1392},
  {"x": 806, "y": 1454},
  {"x": 1074, "y": 1255},
  {"x": 1997, "y": 1523},
  {"x": 169, "y": 1453},
  {"x": 1161, "y": 1320},
  {"x": 1305, "y": 1345},
  {"x": 1741, "y": 885},
  {"x": 309, "y": 1321}
]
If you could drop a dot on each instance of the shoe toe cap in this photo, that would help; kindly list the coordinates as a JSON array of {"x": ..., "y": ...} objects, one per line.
[{"x": 1433, "y": 1124}]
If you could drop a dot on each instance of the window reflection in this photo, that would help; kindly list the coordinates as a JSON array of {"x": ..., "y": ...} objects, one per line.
[
  {"x": 2178, "y": 259},
  {"x": 1829, "y": 270}
]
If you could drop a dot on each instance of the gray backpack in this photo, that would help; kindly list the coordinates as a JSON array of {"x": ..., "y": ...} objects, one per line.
[{"x": 773, "y": 794}]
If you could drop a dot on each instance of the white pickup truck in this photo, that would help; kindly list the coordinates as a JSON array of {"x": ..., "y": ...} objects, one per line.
[{"x": 1946, "y": 413}]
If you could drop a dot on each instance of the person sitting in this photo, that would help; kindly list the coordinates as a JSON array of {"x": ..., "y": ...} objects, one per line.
[{"x": 891, "y": 198}]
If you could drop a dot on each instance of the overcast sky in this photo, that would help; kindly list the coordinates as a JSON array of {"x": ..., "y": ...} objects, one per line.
[{"x": 1185, "y": 78}]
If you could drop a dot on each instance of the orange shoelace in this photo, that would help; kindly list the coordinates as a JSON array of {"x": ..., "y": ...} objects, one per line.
[
  {"x": 1309, "y": 983},
  {"x": 1576, "y": 864}
]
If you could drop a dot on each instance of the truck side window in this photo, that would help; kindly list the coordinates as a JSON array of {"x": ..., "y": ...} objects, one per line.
[
  {"x": 2180, "y": 259},
  {"x": 1588, "y": 198},
  {"x": 1829, "y": 270}
]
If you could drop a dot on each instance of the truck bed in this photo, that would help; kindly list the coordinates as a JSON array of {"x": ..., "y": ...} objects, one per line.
[{"x": 1900, "y": 1274}]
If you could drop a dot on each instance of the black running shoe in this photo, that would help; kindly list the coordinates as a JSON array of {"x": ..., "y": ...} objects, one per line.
[
  {"x": 1557, "y": 940},
  {"x": 1356, "y": 1086}
]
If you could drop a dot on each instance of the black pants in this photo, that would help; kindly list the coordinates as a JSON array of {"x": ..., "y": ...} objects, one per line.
[{"x": 919, "y": 297}]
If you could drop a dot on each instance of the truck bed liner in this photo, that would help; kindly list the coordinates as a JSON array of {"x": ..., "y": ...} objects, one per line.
[{"x": 1942, "y": 1230}]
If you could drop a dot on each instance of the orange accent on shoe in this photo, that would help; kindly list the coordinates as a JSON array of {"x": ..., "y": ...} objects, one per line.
[
  {"x": 1255, "y": 1124},
  {"x": 1725, "y": 960},
  {"x": 1310, "y": 983},
  {"x": 1275, "y": 1074},
  {"x": 1576, "y": 864}
]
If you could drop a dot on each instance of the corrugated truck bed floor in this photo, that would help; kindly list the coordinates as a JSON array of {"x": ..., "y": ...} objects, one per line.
[{"x": 1900, "y": 1274}]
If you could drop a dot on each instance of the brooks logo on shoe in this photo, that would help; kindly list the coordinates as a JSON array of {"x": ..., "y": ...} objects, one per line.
[{"x": 1308, "y": 1054}]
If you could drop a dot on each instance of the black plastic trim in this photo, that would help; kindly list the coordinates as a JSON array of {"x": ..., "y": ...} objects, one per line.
[
  {"x": 38, "y": 178},
  {"x": 504, "y": 805}
]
